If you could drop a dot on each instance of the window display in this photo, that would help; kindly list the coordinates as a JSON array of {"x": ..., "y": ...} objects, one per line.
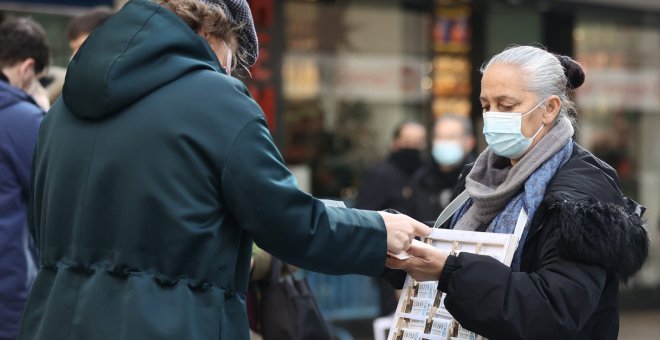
[
  {"x": 347, "y": 81},
  {"x": 451, "y": 63},
  {"x": 619, "y": 111}
]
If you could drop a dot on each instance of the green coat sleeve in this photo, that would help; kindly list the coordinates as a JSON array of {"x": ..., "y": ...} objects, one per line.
[{"x": 263, "y": 196}]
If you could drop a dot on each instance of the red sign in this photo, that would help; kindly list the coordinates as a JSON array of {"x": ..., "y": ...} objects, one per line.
[{"x": 262, "y": 86}]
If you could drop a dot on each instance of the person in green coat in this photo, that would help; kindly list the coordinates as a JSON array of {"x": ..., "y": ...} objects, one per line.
[{"x": 153, "y": 175}]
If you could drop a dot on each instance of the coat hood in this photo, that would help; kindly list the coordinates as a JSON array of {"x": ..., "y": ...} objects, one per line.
[{"x": 138, "y": 50}]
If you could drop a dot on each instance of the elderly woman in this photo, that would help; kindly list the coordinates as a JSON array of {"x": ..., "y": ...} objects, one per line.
[{"x": 582, "y": 236}]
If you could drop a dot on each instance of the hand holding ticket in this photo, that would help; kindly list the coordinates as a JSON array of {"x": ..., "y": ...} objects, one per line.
[
  {"x": 422, "y": 261},
  {"x": 403, "y": 255},
  {"x": 401, "y": 230}
]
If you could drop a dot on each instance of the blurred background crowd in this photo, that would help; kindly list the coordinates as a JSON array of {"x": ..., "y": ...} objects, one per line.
[{"x": 360, "y": 96}]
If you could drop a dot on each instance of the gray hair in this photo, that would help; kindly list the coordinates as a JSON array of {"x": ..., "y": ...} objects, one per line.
[{"x": 545, "y": 74}]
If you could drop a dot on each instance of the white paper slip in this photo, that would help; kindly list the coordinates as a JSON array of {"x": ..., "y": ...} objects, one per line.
[
  {"x": 409, "y": 334},
  {"x": 426, "y": 290},
  {"x": 440, "y": 327},
  {"x": 403, "y": 255}
]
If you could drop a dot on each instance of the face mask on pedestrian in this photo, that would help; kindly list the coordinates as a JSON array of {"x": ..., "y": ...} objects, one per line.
[
  {"x": 503, "y": 132},
  {"x": 447, "y": 152},
  {"x": 407, "y": 159}
]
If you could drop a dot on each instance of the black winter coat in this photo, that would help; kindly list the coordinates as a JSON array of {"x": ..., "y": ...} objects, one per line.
[
  {"x": 432, "y": 190},
  {"x": 387, "y": 184},
  {"x": 584, "y": 238}
]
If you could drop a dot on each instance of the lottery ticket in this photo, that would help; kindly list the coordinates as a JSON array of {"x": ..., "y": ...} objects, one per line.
[
  {"x": 415, "y": 325},
  {"x": 418, "y": 306},
  {"x": 464, "y": 334},
  {"x": 427, "y": 290},
  {"x": 409, "y": 334},
  {"x": 440, "y": 327}
]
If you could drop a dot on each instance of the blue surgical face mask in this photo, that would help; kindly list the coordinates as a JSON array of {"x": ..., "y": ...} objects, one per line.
[
  {"x": 503, "y": 132},
  {"x": 447, "y": 152}
]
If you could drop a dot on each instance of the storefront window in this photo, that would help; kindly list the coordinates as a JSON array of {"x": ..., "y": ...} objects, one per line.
[
  {"x": 619, "y": 108},
  {"x": 451, "y": 63},
  {"x": 351, "y": 72}
]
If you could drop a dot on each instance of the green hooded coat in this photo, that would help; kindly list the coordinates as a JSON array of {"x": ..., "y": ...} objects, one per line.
[{"x": 153, "y": 174}]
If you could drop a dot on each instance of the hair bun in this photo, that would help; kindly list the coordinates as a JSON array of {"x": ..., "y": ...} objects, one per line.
[{"x": 572, "y": 70}]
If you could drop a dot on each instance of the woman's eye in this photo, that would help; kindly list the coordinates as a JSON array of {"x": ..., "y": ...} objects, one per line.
[{"x": 506, "y": 108}]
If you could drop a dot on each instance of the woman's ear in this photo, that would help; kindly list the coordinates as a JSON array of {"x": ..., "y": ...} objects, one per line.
[{"x": 552, "y": 108}]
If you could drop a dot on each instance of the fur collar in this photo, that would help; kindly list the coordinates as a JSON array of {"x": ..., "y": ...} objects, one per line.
[{"x": 606, "y": 235}]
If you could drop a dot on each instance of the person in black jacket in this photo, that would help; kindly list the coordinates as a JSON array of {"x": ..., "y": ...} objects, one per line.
[
  {"x": 582, "y": 235},
  {"x": 433, "y": 183},
  {"x": 387, "y": 186}
]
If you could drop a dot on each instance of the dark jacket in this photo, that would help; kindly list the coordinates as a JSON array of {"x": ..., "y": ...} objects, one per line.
[
  {"x": 432, "y": 190},
  {"x": 584, "y": 239},
  {"x": 152, "y": 177},
  {"x": 387, "y": 184},
  {"x": 19, "y": 127}
]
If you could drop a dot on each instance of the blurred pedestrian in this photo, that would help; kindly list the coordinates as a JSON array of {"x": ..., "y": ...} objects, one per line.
[
  {"x": 23, "y": 55},
  {"x": 154, "y": 174},
  {"x": 78, "y": 30},
  {"x": 81, "y": 26},
  {"x": 387, "y": 185},
  {"x": 581, "y": 236},
  {"x": 433, "y": 183}
]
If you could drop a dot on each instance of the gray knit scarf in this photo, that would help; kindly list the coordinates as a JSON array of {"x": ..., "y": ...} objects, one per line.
[{"x": 492, "y": 182}]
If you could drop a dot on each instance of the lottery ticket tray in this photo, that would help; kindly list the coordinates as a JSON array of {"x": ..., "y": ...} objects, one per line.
[{"x": 420, "y": 313}]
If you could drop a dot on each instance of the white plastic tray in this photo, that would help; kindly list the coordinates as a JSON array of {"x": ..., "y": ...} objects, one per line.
[{"x": 420, "y": 313}]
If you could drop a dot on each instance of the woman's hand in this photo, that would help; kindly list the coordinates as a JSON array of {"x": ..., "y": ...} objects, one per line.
[
  {"x": 401, "y": 230},
  {"x": 425, "y": 265}
]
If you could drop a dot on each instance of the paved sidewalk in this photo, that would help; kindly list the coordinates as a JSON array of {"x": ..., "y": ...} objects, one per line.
[{"x": 639, "y": 325}]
